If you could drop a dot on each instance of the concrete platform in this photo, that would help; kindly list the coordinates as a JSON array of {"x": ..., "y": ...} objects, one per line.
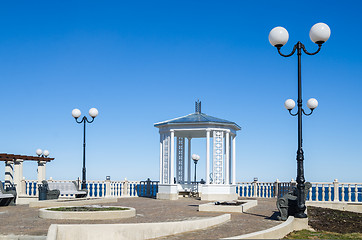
[{"x": 211, "y": 207}]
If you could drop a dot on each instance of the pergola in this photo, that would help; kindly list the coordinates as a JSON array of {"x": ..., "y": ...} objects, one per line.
[
  {"x": 220, "y": 173},
  {"x": 14, "y": 168}
]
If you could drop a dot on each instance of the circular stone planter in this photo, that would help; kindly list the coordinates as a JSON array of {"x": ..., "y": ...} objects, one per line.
[{"x": 87, "y": 215}]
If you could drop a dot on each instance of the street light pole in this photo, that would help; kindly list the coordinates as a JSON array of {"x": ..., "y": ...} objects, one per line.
[
  {"x": 93, "y": 112},
  {"x": 196, "y": 158},
  {"x": 278, "y": 36}
]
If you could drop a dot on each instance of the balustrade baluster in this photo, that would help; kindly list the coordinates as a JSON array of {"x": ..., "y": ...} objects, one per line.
[
  {"x": 310, "y": 193},
  {"x": 342, "y": 192},
  {"x": 323, "y": 193},
  {"x": 242, "y": 190},
  {"x": 349, "y": 193},
  {"x": 316, "y": 192},
  {"x": 93, "y": 189},
  {"x": 355, "y": 193},
  {"x": 329, "y": 192},
  {"x": 97, "y": 189}
]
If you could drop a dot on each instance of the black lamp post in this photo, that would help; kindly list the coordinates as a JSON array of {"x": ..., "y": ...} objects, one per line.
[
  {"x": 196, "y": 158},
  {"x": 93, "y": 112},
  {"x": 278, "y": 36}
]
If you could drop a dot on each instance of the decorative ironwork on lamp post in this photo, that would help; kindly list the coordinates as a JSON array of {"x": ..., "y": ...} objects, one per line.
[
  {"x": 93, "y": 112},
  {"x": 279, "y": 36}
]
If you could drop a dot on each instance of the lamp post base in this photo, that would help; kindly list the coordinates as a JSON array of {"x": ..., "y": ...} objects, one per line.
[{"x": 300, "y": 215}]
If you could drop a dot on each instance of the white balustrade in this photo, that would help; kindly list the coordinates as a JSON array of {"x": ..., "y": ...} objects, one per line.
[{"x": 320, "y": 191}]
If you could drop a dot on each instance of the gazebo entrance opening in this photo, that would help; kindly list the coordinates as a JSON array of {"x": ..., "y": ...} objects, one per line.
[{"x": 175, "y": 159}]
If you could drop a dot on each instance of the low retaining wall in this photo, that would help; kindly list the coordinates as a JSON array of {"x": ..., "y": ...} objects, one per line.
[
  {"x": 130, "y": 231},
  {"x": 277, "y": 232},
  {"x": 91, "y": 215},
  {"x": 211, "y": 207},
  {"x": 71, "y": 202},
  {"x": 343, "y": 206}
]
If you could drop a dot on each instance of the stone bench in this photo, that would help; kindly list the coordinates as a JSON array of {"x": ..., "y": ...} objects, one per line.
[
  {"x": 5, "y": 197},
  {"x": 68, "y": 189}
]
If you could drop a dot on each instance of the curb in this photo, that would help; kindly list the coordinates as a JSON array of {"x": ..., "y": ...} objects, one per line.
[{"x": 277, "y": 232}]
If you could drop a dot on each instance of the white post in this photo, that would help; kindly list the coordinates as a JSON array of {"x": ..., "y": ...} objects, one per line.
[
  {"x": 227, "y": 157},
  {"x": 9, "y": 173},
  {"x": 41, "y": 171},
  {"x": 18, "y": 175},
  {"x": 208, "y": 156},
  {"x": 108, "y": 188},
  {"x": 172, "y": 158},
  {"x": 336, "y": 190},
  {"x": 189, "y": 162},
  {"x": 234, "y": 161},
  {"x": 161, "y": 158}
]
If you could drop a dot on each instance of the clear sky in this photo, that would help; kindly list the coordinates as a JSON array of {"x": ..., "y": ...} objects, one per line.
[{"x": 144, "y": 62}]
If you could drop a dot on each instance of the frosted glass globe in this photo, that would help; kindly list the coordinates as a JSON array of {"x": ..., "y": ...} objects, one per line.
[
  {"x": 46, "y": 153},
  {"x": 312, "y": 103},
  {"x": 76, "y": 113},
  {"x": 93, "y": 112},
  {"x": 289, "y": 104},
  {"x": 278, "y": 36},
  {"x": 39, "y": 152},
  {"x": 320, "y": 33},
  {"x": 195, "y": 157}
]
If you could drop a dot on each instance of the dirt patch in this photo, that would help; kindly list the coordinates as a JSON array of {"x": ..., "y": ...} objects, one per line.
[{"x": 324, "y": 219}]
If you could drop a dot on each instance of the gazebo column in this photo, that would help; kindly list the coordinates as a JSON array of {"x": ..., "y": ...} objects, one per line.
[
  {"x": 180, "y": 160},
  {"x": 167, "y": 189},
  {"x": 172, "y": 160},
  {"x": 218, "y": 157},
  {"x": 227, "y": 158},
  {"x": 208, "y": 156},
  {"x": 234, "y": 161},
  {"x": 161, "y": 157},
  {"x": 189, "y": 161},
  {"x": 41, "y": 171},
  {"x": 166, "y": 159},
  {"x": 9, "y": 173},
  {"x": 18, "y": 175}
]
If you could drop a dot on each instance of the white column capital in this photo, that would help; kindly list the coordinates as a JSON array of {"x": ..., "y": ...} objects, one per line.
[{"x": 18, "y": 161}]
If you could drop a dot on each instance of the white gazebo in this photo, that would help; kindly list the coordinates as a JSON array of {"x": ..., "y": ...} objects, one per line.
[{"x": 220, "y": 162}]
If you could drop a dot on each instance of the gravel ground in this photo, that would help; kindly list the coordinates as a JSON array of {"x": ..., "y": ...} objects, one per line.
[{"x": 22, "y": 220}]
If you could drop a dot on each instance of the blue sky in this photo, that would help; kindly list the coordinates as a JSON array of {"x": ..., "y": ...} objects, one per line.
[{"x": 143, "y": 62}]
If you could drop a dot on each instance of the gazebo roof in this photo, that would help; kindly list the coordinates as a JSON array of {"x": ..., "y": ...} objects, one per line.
[{"x": 198, "y": 118}]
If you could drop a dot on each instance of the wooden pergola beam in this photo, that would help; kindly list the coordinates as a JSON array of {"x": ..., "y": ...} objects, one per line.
[{"x": 11, "y": 157}]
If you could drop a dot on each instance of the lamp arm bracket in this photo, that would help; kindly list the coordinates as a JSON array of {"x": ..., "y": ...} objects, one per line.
[
  {"x": 305, "y": 50},
  {"x": 287, "y": 55},
  {"x": 88, "y": 120},
  {"x": 76, "y": 119},
  {"x": 307, "y": 114},
  {"x": 293, "y": 114}
]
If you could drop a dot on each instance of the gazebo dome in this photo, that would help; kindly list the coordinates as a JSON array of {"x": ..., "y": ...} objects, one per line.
[{"x": 198, "y": 118}]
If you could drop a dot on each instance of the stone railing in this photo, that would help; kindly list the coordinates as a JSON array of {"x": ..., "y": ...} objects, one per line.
[
  {"x": 320, "y": 191},
  {"x": 96, "y": 188},
  {"x": 256, "y": 189},
  {"x": 326, "y": 192}
]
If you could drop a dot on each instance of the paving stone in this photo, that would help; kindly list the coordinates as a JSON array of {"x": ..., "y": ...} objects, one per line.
[{"x": 22, "y": 220}]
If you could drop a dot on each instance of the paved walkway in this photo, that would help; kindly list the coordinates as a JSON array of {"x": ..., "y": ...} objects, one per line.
[{"x": 22, "y": 220}]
